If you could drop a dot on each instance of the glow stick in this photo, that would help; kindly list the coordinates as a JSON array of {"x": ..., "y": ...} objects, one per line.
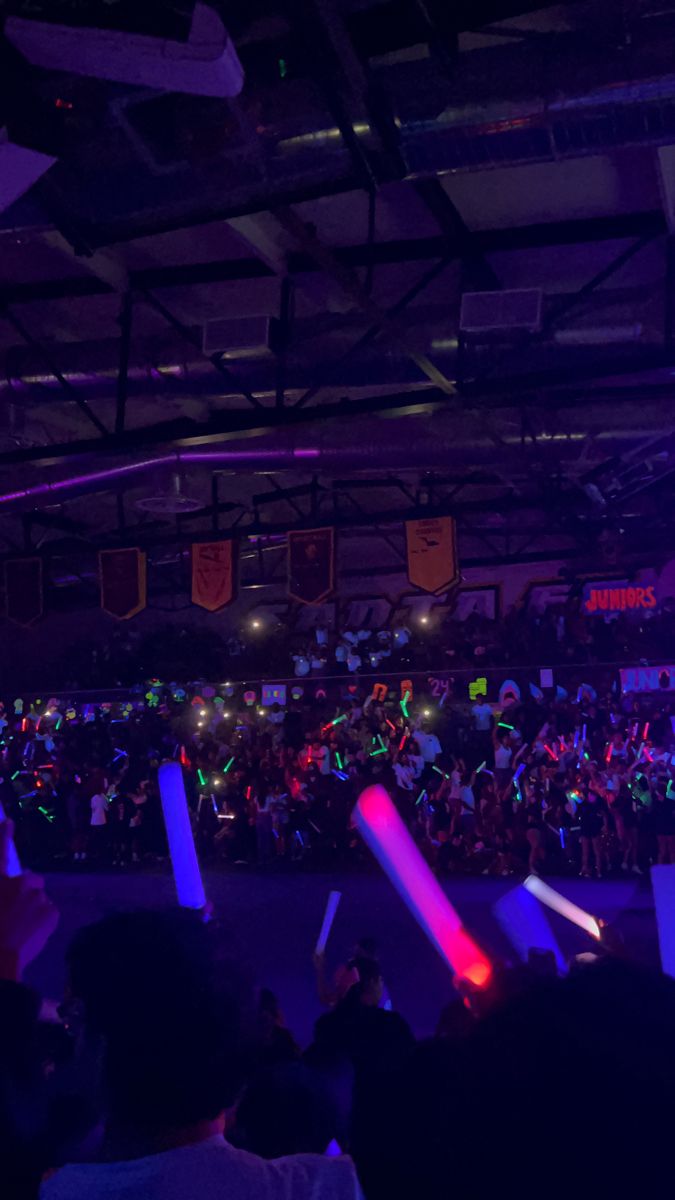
[
  {"x": 481, "y": 767},
  {"x": 663, "y": 886},
  {"x": 554, "y": 756},
  {"x": 228, "y": 765},
  {"x": 420, "y": 797},
  {"x": 390, "y": 724},
  {"x": 334, "y": 899},
  {"x": 386, "y": 835},
  {"x": 375, "y": 753},
  {"x": 560, "y": 904},
  {"x": 645, "y": 732},
  {"x": 403, "y": 742},
  {"x": 608, "y": 753},
  {"x": 404, "y": 705},
  {"x": 503, "y": 725},
  {"x": 583, "y": 734},
  {"x": 338, "y": 760},
  {"x": 187, "y": 877},
  {"x": 13, "y": 866},
  {"x": 576, "y": 739},
  {"x": 519, "y": 772},
  {"x": 525, "y": 925},
  {"x": 202, "y": 780}
]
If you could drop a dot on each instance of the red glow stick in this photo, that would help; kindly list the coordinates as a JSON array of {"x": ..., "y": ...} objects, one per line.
[
  {"x": 645, "y": 732},
  {"x": 403, "y": 741},
  {"x": 608, "y": 753},
  {"x": 386, "y": 835},
  {"x": 553, "y": 754},
  {"x": 390, "y": 724}
]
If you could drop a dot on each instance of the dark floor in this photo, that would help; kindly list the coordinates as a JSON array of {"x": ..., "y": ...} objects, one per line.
[{"x": 278, "y": 915}]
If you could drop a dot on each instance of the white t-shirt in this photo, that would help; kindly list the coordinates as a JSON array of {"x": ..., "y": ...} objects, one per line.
[
  {"x": 429, "y": 745},
  {"x": 404, "y": 776},
  {"x": 467, "y": 797},
  {"x": 99, "y": 807},
  {"x": 482, "y": 715},
  {"x": 321, "y": 758},
  {"x": 503, "y": 755},
  {"x": 211, "y": 1168}
]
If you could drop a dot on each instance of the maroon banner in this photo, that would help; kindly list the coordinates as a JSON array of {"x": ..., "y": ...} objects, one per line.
[
  {"x": 122, "y": 575},
  {"x": 23, "y": 590},
  {"x": 212, "y": 575},
  {"x": 311, "y": 557}
]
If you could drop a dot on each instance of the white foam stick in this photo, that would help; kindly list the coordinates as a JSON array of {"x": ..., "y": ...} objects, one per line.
[
  {"x": 524, "y": 922},
  {"x": 186, "y": 873},
  {"x": 334, "y": 899},
  {"x": 13, "y": 864},
  {"x": 560, "y": 904},
  {"x": 663, "y": 885}
]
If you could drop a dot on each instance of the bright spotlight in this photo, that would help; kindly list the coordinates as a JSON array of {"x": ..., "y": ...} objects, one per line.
[
  {"x": 202, "y": 712},
  {"x": 427, "y": 712},
  {"x": 255, "y": 623},
  {"x": 424, "y": 620}
]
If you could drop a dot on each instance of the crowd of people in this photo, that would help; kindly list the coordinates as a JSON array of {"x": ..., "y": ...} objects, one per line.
[
  {"x": 554, "y": 783},
  {"x": 168, "y": 1072},
  {"x": 426, "y": 638}
]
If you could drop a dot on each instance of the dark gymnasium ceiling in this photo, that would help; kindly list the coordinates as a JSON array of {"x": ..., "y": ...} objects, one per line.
[{"x": 382, "y": 160}]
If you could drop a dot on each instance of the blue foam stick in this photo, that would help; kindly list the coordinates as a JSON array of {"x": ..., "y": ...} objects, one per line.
[
  {"x": 186, "y": 873},
  {"x": 524, "y": 922},
  {"x": 663, "y": 885}
]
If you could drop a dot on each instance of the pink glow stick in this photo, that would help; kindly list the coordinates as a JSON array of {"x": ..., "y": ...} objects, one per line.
[{"x": 386, "y": 835}]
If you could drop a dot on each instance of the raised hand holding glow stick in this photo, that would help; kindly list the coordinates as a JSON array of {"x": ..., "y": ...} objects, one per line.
[
  {"x": 386, "y": 835},
  {"x": 186, "y": 873},
  {"x": 334, "y": 899}
]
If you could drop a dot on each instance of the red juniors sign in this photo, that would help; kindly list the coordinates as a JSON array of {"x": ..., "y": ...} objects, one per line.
[{"x": 617, "y": 599}]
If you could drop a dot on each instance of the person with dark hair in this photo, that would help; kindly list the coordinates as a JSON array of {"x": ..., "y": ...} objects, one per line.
[{"x": 164, "y": 1013}]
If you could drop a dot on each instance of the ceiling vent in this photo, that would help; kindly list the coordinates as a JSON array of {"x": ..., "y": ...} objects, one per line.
[{"x": 501, "y": 315}]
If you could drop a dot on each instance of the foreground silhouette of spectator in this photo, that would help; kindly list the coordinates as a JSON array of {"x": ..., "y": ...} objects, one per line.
[{"x": 165, "y": 1028}]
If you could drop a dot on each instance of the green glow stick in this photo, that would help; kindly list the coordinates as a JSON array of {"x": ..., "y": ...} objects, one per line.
[
  {"x": 15, "y": 774},
  {"x": 201, "y": 778},
  {"x": 404, "y": 705},
  {"x": 375, "y": 753},
  {"x": 338, "y": 760},
  {"x": 228, "y": 765}
]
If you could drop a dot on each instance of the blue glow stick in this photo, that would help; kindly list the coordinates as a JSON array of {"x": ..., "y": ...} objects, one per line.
[{"x": 187, "y": 877}]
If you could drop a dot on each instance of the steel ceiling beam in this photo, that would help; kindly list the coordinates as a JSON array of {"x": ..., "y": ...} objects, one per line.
[{"x": 487, "y": 241}]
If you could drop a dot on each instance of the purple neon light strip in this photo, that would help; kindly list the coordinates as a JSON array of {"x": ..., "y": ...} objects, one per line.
[{"x": 173, "y": 459}]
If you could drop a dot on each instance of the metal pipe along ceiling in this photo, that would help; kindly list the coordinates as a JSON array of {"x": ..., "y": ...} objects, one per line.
[{"x": 365, "y": 457}]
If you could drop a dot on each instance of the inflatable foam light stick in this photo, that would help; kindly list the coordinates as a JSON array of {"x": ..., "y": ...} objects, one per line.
[
  {"x": 525, "y": 925},
  {"x": 560, "y": 904},
  {"x": 13, "y": 867},
  {"x": 663, "y": 886},
  {"x": 187, "y": 877},
  {"x": 386, "y": 835},
  {"x": 334, "y": 899}
]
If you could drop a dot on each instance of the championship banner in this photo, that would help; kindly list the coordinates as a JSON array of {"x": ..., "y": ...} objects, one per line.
[
  {"x": 212, "y": 574},
  {"x": 122, "y": 575},
  {"x": 23, "y": 590},
  {"x": 311, "y": 554},
  {"x": 431, "y": 545}
]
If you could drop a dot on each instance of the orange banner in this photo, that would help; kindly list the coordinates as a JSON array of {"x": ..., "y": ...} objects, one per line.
[
  {"x": 431, "y": 544},
  {"x": 123, "y": 581},
  {"x": 212, "y": 574}
]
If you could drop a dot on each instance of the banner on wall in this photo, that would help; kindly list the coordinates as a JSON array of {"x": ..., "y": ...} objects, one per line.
[
  {"x": 122, "y": 575},
  {"x": 23, "y": 590},
  {"x": 617, "y": 596},
  {"x": 647, "y": 679},
  {"x": 431, "y": 545},
  {"x": 212, "y": 574},
  {"x": 311, "y": 564}
]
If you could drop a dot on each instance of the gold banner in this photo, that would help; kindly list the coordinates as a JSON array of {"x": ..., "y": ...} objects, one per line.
[
  {"x": 212, "y": 575},
  {"x": 431, "y": 545}
]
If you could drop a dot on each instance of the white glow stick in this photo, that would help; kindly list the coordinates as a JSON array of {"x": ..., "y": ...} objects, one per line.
[
  {"x": 13, "y": 864},
  {"x": 334, "y": 899},
  {"x": 560, "y": 904},
  {"x": 189, "y": 886}
]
